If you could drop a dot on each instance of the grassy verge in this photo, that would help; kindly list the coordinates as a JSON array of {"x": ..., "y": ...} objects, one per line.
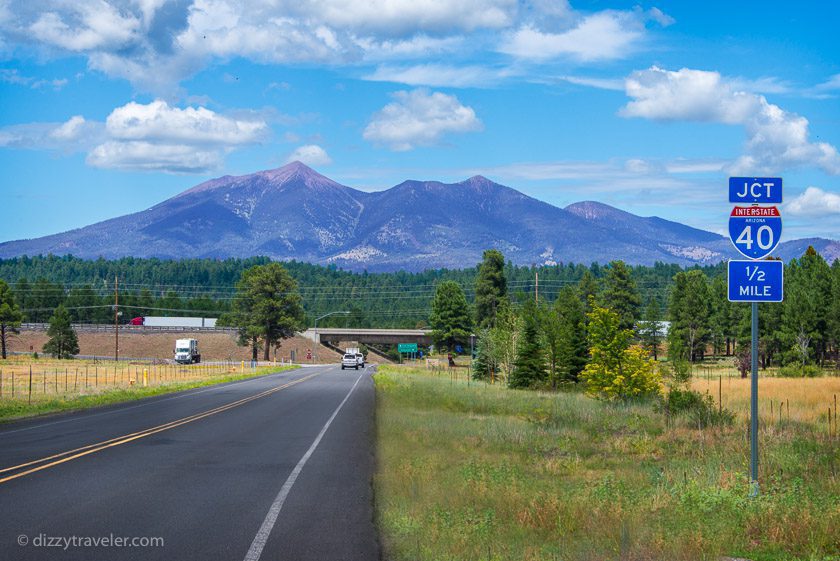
[
  {"x": 18, "y": 409},
  {"x": 486, "y": 473}
]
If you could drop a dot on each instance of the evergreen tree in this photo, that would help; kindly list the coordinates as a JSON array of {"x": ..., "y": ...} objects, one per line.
[
  {"x": 23, "y": 297},
  {"x": 268, "y": 307},
  {"x": 484, "y": 365},
  {"x": 650, "y": 331},
  {"x": 621, "y": 295},
  {"x": 720, "y": 315},
  {"x": 529, "y": 367},
  {"x": 834, "y": 311},
  {"x": 573, "y": 313},
  {"x": 10, "y": 316},
  {"x": 450, "y": 317},
  {"x": 45, "y": 297},
  {"x": 82, "y": 302},
  {"x": 587, "y": 291},
  {"x": 805, "y": 329},
  {"x": 490, "y": 287},
  {"x": 689, "y": 313},
  {"x": 62, "y": 342}
]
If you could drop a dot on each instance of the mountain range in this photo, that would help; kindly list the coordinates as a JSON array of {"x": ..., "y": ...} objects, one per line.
[{"x": 293, "y": 212}]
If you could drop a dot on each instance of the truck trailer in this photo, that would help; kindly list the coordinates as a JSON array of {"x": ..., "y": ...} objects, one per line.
[{"x": 161, "y": 321}]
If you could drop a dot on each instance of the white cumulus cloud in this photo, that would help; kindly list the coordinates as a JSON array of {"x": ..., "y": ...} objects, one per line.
[
  {"x": 814, "y": 202},
  {"x": 156, "y": 44},
  {"x": 439, "y": 75},
  {"x": 158, "y": 121},
  {"x": 75, "y": 134},
  {"x": 86, "y": 26},
  {"x": 158, "y": 137},
  {"x": 420, "y": 118},
  {"x": 69, "y": 130},
  {"x": 152, "y": 137},
  {"x": 606, "y": 35},
  {"x": 149, "y": 156},
  {"x": 402, "y": 16},
  {"x": 311, "y": 155},
  {"x": 776, "y": 139}
]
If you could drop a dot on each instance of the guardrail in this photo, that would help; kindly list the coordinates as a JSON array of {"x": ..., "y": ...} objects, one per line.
[{"x": 97, "y": 327}]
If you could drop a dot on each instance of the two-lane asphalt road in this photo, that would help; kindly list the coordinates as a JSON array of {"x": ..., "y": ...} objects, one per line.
[{"x": 276, "y": 467}]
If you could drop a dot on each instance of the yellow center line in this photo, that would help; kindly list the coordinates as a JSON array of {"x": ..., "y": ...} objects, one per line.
[{"x": 68, "y": 455}]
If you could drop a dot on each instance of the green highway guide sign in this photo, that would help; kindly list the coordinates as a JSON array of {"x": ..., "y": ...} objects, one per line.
[{"x": 407, "y": 347}]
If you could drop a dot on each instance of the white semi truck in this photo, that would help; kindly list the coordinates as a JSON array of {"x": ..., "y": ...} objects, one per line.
[
  {"x": 160, "y": 321},
  {"x": 186, "y": 351}
]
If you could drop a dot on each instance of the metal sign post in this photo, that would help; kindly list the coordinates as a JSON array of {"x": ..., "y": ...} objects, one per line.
[
  {"x": 755, "y": 232},
  {"x": 754, "y": 403}
]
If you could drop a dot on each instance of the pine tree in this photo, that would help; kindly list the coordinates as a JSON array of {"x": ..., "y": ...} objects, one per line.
[
  {"x": 621, "y": 295},
  {"x": 23, "y": 297},
  {"x": 268, "y": 308},
  {"x": 805, "y": 329},
  {"x": 719, "y": 315},
  {"x": 62, "y": 342},
  {"x": 529, "y": 368},
  {"x": 650, "y": 331},
  {"x": 490, "y": 288},
  {"x": 587, "y": 291},
  {"x": 484, "y": 365},
  {"x": 45, "y": 296},
  {"x": 10, "y": 316},
  {"x": 689, "y": 312},
  {"x": 450, "y": 317},
  {"x": 834, "y": 310}
]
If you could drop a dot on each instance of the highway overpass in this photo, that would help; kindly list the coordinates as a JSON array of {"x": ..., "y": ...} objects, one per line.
[{"x": 334, "y": 336}]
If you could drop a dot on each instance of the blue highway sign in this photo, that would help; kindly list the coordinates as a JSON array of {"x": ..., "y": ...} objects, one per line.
[
  {"x": 756, "y": 281},
  {"x": 761, "y": 190},
  {"x": 755, "y": 231}
]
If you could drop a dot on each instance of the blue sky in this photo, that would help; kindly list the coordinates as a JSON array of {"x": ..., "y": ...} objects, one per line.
[{"x": 110, "y": 107}]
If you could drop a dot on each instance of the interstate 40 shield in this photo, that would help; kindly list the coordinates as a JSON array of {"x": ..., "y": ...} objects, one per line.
[{"x": 755, "y": 231}]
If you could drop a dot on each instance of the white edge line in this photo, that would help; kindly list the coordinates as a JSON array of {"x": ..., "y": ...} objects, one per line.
[
  {"x": 187, "y": 393},
  {"x": 261, "y": 538}
]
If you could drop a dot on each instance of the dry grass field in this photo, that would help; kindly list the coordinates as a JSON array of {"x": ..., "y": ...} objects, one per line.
[
  {"x": 37, "y": 386},
  {"x": 474, "y": 471},
  {"x": 52, "y": 378},
  {"x": 215, "y": 346},
  {"x": 804, "y": 400}
]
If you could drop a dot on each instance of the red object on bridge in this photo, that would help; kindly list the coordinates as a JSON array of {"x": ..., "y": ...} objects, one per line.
[{"x": 136, "y": 321}]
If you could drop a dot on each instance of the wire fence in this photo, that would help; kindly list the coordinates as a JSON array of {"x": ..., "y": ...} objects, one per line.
[
  {"x": 34, "y": 381},
  {"x": 100, "y": 327}
]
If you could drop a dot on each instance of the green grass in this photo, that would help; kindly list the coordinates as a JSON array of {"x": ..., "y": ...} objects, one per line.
[
  {"x": 486, "y": 473},
  {"x": 13, "y": 409}
]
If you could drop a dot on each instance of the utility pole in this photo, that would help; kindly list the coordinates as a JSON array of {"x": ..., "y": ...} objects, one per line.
[
  {"x": 318, "y": 341},
  {"x": 116, "y": 318},
  {"x": 537, "y": 287}
]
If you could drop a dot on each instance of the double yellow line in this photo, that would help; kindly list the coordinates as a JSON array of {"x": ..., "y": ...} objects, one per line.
[{"x": 33, "y": 466}]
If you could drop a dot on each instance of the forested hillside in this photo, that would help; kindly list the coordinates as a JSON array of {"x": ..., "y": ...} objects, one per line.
[{"x": 206, "y": 287}]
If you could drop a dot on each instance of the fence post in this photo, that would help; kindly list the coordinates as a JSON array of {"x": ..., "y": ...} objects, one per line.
[{"x": 30, "y": 383}]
